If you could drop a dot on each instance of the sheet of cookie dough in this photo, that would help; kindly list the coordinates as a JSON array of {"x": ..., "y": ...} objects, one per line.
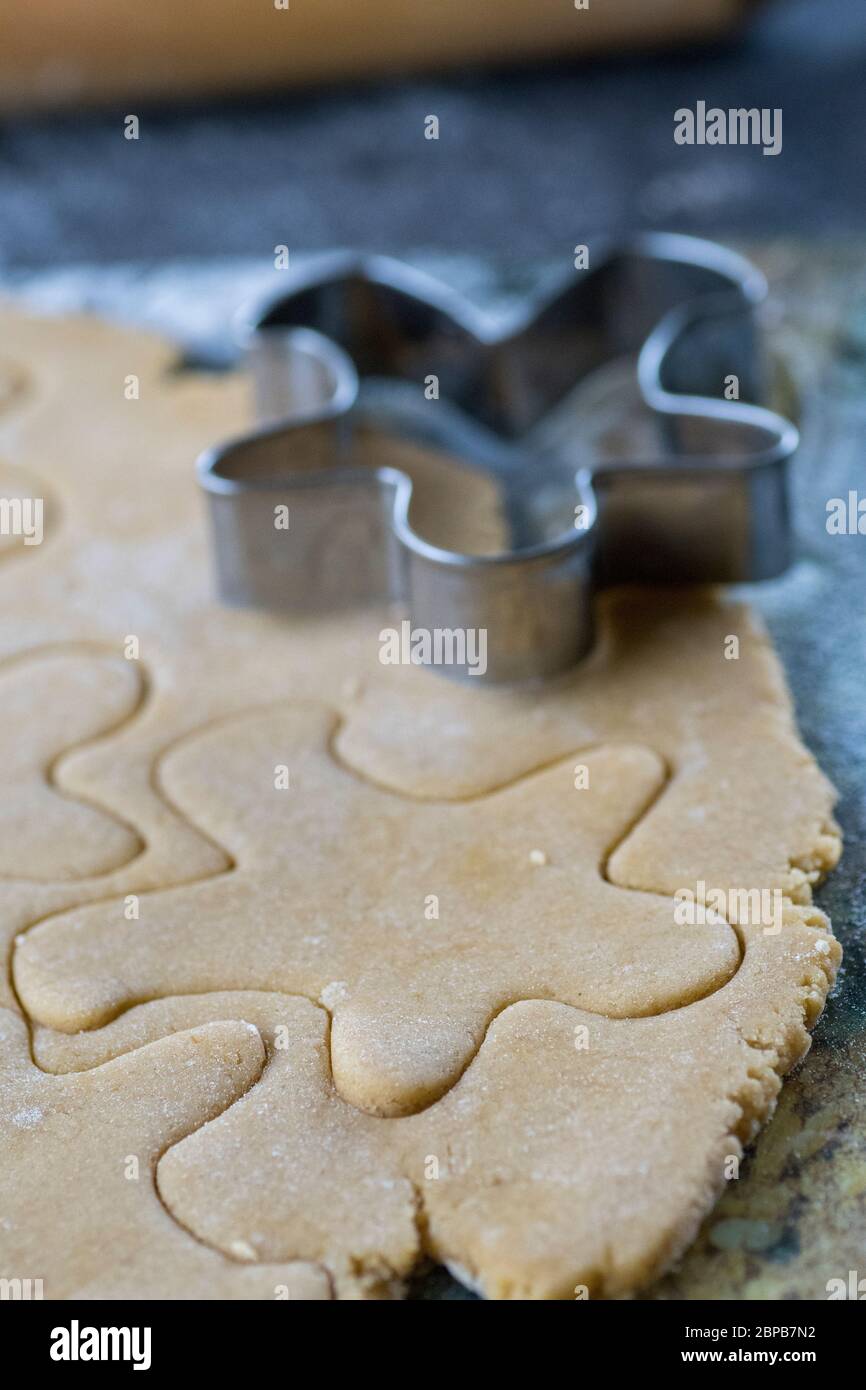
[
  {"x": 700, "y": 778},
  {"x": 576, "y": 1153}
]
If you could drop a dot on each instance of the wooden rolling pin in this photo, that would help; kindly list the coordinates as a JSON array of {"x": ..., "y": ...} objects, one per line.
[{"x": 66, "y": 52}]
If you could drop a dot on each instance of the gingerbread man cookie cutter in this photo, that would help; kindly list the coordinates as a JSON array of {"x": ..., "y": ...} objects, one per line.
[{"x": 364, "y": 354}]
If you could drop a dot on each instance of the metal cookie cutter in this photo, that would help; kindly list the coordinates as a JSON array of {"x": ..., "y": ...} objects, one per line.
[{"x": 313, "y": 511}]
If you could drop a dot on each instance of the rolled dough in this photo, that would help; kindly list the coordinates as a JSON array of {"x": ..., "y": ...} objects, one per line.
[{"x": 489, "y": 1039}]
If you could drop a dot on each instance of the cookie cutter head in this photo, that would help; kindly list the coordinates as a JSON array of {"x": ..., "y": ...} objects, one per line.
[
  {"x": 349, "y": 521},
  {"x": 674, "y": 483}
]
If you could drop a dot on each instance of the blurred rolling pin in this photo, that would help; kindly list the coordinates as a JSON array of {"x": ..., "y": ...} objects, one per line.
[{"x": 66, "y": 52}]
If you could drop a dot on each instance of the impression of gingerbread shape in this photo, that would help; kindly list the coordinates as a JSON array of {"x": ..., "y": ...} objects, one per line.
[
  {"x": 414, "y": 923},
  {"x": 575, "y": 1151},
  {"x": 92, "y": 1140}
]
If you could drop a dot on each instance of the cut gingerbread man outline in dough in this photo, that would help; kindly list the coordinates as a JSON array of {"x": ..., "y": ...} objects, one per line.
[
  {"x": 92, "y": 1140},
  {"x": 575, "y": 1150},
  {"x": 414, "y": 923}
]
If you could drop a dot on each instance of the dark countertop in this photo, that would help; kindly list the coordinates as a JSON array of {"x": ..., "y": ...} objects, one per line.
[{"x": 528, "y": 163}]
